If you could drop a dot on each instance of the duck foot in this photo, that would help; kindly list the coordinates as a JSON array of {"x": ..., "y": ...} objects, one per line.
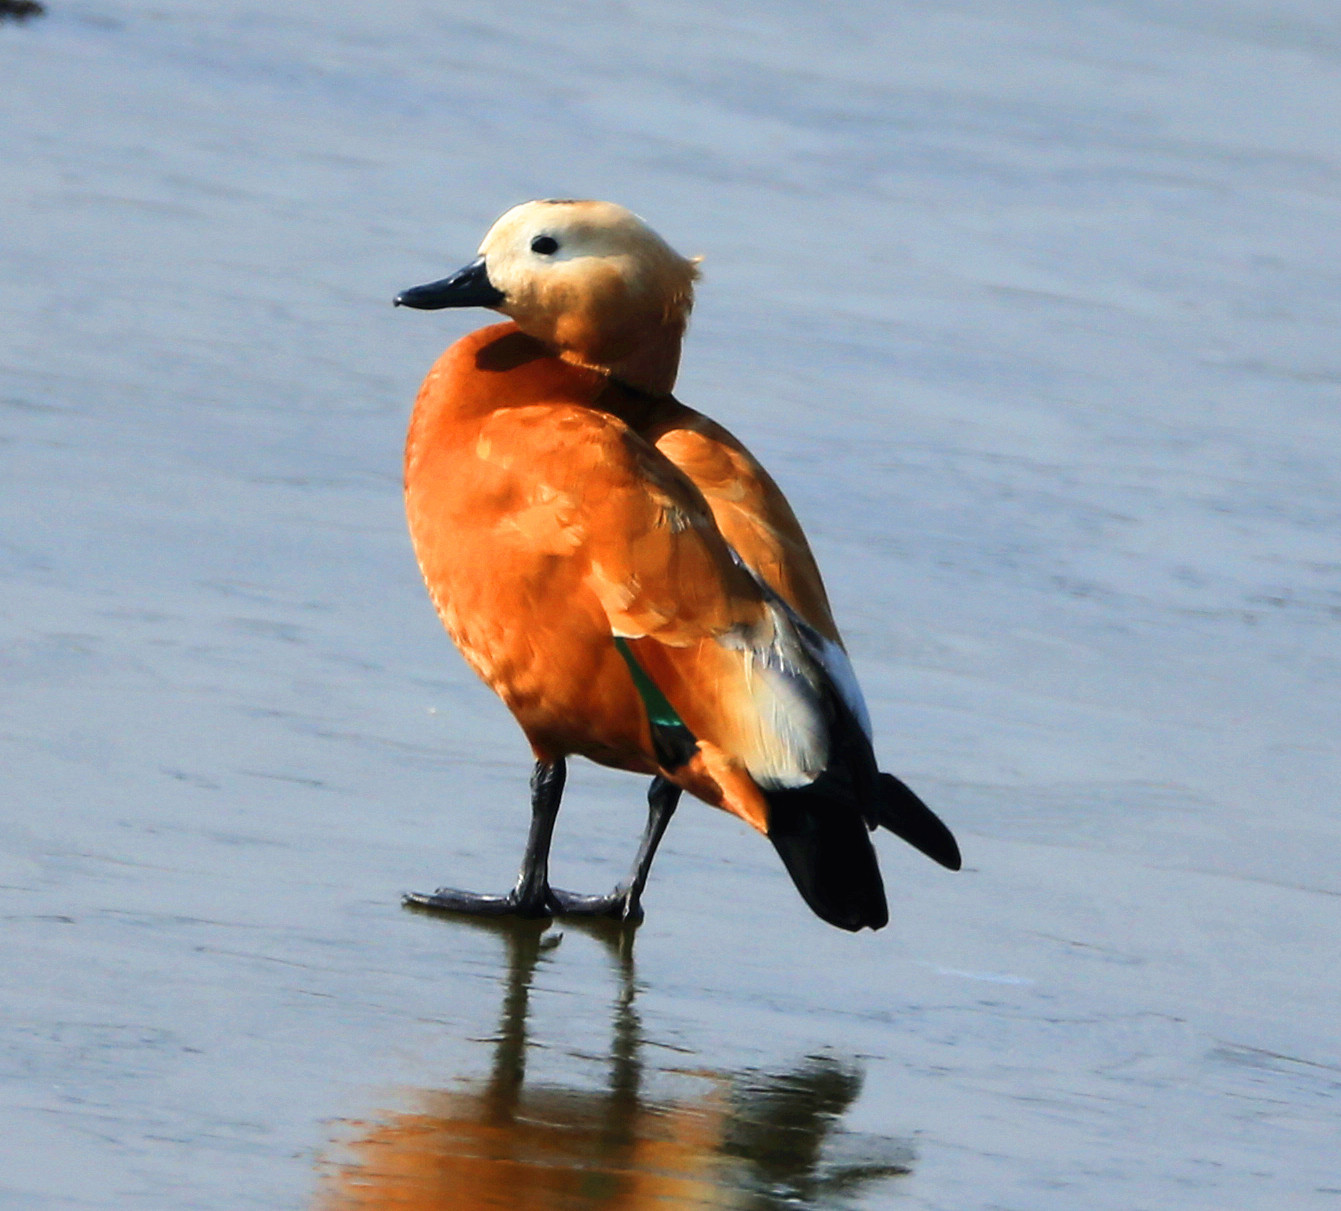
[
  {"x": 619, "y": 905},
  {"x": 469, "y": 903}
]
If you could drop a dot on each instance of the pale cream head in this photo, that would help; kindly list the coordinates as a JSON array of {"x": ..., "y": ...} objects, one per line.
[{"x": 595, "y": 282}]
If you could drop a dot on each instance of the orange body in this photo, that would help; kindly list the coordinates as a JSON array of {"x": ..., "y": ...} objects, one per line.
[{"x": 553, "y": 509}]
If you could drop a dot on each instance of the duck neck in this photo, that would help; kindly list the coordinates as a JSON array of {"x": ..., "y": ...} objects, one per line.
[{"x": 652, "y": 365}]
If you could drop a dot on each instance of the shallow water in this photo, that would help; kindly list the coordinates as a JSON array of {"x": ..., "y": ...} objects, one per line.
[{"x": 1031, "y": 307}]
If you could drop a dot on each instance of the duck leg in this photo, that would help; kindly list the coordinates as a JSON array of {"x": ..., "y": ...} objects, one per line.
[
  {"x": 625, "y": 902},
  {"x": 531, "y": 897}
]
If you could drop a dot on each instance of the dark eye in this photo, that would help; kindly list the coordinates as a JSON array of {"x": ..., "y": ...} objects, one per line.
[{"x": 545, "y": 245}]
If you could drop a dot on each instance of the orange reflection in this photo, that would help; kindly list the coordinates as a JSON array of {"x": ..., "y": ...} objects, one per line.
[{"x": 755, "y": 1142}]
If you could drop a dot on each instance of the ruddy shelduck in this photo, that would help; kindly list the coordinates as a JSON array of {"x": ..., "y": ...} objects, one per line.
[{"x": 627, "y": 577}]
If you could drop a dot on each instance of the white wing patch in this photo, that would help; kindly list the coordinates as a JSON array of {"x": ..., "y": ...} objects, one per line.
[
  {"x": 782, "y": 732},
  {"x": 802, "y": 730}
]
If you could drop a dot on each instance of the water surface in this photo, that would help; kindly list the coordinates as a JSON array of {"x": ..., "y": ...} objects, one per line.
[{"x": 1032, "y": 308}]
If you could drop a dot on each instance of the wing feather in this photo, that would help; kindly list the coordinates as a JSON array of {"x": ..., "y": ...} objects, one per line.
[{"x": 725, "y": 652}]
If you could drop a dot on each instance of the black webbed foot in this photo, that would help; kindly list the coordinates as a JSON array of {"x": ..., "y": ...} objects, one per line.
[
  {"x": 468, "y": 903},
  {"x": 619, "y": 905}
]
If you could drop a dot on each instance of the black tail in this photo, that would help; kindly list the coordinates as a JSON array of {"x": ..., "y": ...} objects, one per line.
[
  {"x": 821, "y": 831},
  {"x": 906, "y": 816},
  {"x": 822, "y": 839}
]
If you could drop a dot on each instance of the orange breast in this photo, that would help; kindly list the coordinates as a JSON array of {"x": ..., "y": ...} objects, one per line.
[{"x": 491, "y": 536}]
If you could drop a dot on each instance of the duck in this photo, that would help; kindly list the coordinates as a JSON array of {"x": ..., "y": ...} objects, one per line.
[{"x": 628, "y": 578}]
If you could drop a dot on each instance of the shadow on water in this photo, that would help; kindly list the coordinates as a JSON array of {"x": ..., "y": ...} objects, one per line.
[{"x": 753, "y": 1141}]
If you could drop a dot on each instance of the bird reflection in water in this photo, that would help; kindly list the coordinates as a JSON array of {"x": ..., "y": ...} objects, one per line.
[{"x": 752, "y": 1142}]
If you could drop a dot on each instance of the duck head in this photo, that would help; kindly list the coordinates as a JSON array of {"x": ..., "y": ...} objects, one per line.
[{"x": 589, "y": 279}]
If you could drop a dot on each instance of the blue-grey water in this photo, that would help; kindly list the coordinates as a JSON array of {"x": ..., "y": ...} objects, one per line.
[{"x": 1032, "y": 307}]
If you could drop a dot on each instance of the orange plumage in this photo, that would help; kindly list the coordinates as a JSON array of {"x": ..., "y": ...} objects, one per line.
[{"x": 623, "y": 573}]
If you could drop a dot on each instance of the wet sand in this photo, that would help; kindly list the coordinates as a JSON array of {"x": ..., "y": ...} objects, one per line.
[{"x": 1032, "y": 310}]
